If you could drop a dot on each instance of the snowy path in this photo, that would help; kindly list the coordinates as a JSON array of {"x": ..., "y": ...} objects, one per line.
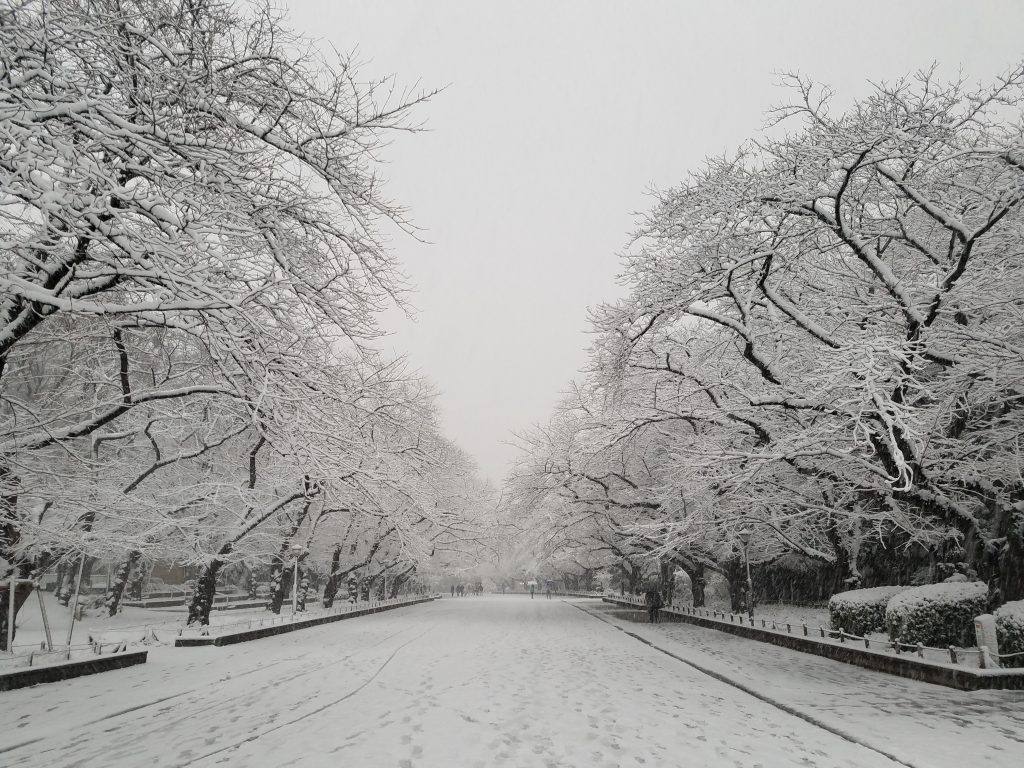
[
  {"x": 489, "y": 681},
  {"x": 922, "y": 724}
]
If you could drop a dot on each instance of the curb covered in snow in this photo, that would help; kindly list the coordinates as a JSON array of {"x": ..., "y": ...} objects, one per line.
[
  {"x": 231, "y": 638},
  {"x": 903, "y": 666},
  {"x": 54, "y": 672}
]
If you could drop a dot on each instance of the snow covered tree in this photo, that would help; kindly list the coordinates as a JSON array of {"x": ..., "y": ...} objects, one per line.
[{"x": 181, "y": 176}]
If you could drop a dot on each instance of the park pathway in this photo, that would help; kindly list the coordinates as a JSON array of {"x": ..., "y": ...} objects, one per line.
[{"x": 476, "y": 681}]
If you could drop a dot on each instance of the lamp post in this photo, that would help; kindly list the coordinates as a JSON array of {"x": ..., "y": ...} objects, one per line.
[
  {"x": 297, "y": 552},
  {"x": 744, "y": 536}
]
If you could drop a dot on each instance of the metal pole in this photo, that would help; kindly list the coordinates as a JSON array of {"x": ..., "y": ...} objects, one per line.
[
  {"x": 46, "y": 621},
  {"x": 750, "y": 585},
  {"x": 10, "y": 610},
  {"x": 295, "y": 587},
  {"x": 74, "y": 605}
]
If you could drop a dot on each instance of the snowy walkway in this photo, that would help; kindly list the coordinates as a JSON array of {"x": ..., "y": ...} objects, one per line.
[
  {"x": 923, "y": 725},
  {"x": 484, "y": 681}
]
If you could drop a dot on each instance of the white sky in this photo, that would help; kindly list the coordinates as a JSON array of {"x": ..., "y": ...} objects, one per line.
[{"x": 557, "y": 120}]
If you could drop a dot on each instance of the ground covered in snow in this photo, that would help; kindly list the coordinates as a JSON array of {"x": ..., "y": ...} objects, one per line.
[{"x": 498, "y": 681}]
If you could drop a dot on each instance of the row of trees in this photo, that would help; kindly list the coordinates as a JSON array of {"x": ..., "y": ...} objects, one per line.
[
  {"x": 822, "y": 342},
  {"x": 191, "y": 268}
]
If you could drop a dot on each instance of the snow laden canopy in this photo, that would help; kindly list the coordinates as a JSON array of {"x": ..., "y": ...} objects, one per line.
[
  {"x": 821, "y": 343},
  {"x": 191, "y": 271}
]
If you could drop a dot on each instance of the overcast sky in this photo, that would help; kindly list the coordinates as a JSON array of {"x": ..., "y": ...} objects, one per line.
[{"x": 557, "y": 120}]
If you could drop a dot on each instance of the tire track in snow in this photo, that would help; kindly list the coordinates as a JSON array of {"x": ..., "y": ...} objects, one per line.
[
  {"x": 316, "y": 711},
  {"x": 757, "y": 694}
]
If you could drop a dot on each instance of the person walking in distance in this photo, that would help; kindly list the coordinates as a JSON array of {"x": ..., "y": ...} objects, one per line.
[
  {"x": 453, "y": 590},
  {"x": 532, "y": 588}
]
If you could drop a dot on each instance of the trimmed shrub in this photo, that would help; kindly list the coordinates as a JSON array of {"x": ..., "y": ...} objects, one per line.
[
  {"x": 860, "y": 611},
  {"x": 1010, "y": 632},
  {"x": 937, "y": 614}
]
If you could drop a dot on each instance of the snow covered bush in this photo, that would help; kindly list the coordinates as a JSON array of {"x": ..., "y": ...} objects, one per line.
[
  {"x": 1010, "y": 631},
  {"x": 860, "y": 611},
  {"x": 937, "y": 614}
]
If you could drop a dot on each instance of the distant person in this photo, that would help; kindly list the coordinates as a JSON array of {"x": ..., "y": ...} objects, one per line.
[
  {"x": 532, "y": 588},
  {"x": 453, "y": 590},
  {"x": 547, "y": 591},
  {"x": 653, "y": 599},
  {"x": 461, "y": 590}
]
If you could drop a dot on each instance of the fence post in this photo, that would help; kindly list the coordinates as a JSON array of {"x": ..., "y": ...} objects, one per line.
[
  {"x": 867, "y": 643},
  {"x": 805, "y": 630},
  {"x": 920, "y": 650},
  {"x": 822, "y": 630},
  {"x": 842, "y": 635},
  {"x": 789, "y": 629},
  {"x": 952, "y": 654}
]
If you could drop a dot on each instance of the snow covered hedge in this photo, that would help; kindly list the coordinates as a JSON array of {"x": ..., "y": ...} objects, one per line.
[
  {"x": 860, "y": 611},
  {"x": 937, "y": 614},
  {"x": 1010, "y": 631}
]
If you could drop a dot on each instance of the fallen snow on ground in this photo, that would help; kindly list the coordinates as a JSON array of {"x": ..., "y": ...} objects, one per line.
[
  {"x": 924, "y": 725},
  {"x": 488, "y": 681}
]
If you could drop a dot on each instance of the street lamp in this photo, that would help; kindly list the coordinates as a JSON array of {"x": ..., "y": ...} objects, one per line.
[
  {"x": 297, "y": 552},
  {"x": 744, "y": 536}
]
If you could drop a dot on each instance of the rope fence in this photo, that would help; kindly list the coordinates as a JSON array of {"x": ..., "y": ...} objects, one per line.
[{"x": 41, "y": 656}]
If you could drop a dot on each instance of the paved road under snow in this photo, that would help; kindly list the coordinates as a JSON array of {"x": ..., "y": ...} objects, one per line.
[{"x": 477, "y": 681}]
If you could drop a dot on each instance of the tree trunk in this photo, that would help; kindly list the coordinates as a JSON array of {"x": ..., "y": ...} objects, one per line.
[
  {"x": 736, "y": 578},
  {"x": 202, "y": 598},
  {"x": 698, "y": 583},
  {"x": 668, "y": 581},
  {"x": 280, "y": 581},
  {"x": 112, "y": 601},
  {"x": 251, "y": 585},
  {"x": 21, "y": 594},
  {"x": 72, "y": 582},
  {"x": 300, "y": 595},
  {"x": 333, "y": 581}
]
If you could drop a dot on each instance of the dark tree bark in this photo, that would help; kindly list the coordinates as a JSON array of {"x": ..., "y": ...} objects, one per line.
[
  {"x": 736, "y": 578},
  {"x": 334, "y": 580},
  {"x": 698, "y": 583},
  {"x": 112, "y": 601},
  {"x": 251, "y": 584},
  {"x": 206, "y": 588},
  {"x": 280, "y": 581}
]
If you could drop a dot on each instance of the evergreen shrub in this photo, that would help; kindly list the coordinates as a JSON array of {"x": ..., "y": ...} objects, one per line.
[
  {"x": 937, "y": 615},
  {"x": 860, "y": 611}
]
